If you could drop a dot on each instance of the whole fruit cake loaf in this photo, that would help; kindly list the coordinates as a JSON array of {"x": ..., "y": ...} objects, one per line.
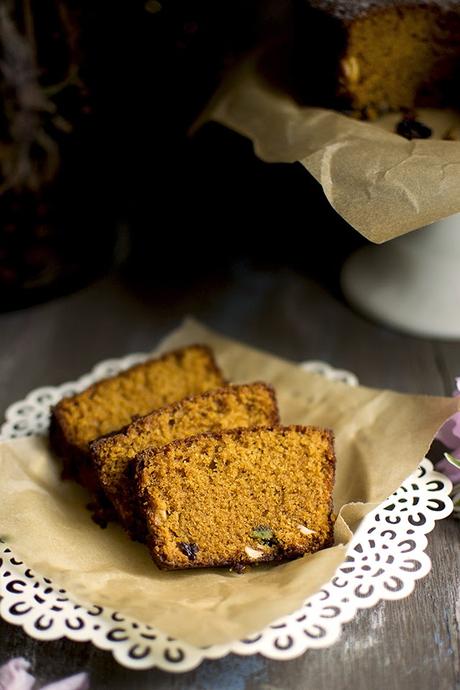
[
  {"x": 111, "y": 404},
  {"x": 238, "y": 497},
  {"x": 224, "y": 408},
  {"x": 377, "y": 55}
]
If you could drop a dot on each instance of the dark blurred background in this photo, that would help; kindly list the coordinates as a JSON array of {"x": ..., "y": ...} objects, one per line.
[{"x": 97, "y": 169}]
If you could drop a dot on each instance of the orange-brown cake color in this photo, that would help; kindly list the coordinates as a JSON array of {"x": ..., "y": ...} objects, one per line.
[
  {"x": 238, "y": 497},
  {"x": 224, "y": 408},
  {"x": 372, "y": 56},
  {"x": 111, "y": 404}
]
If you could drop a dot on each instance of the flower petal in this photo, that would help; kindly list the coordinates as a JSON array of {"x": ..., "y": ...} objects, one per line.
[
  {"x": 14, "y": 676},
  {"x": 449, "y": 433},
  {"x": 79, "y": 681},
  {"x": 449, "y": 469}
]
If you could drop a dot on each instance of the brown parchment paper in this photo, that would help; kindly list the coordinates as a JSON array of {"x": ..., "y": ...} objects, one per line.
[
  {"x": 380, "y": 438},
  {"x": 379, "y": 182}
]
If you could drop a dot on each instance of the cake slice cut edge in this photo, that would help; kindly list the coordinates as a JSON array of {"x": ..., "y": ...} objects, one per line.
[
  {"x": 375, "y": 56},
  {"x": 111, "y": 404},
  {"x": 239, "y": 497},
  {"x": 114, "y": 456}
]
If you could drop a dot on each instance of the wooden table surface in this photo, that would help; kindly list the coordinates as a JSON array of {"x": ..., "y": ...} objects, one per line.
[{"x": 410, "y": 644}]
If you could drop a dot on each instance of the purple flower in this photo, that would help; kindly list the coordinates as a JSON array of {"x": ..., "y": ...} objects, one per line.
[
  {"x": 449, "y": 433},
  {"x": 14, "y": 676},
  {"x": 449, "y": 467}
]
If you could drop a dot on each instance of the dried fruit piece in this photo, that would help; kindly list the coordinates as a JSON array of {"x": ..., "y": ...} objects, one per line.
[
  {"x": 410, "y": 128},
  {"x": 189, "y": 549},
  {"x": 264, "y": 535},
  {"x": 238, "y": 568}
]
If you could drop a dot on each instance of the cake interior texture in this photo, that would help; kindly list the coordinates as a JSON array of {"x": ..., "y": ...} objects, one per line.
[
  {"x": 240, "y": 497},
  {"x": 383, "y": 55},
  {"x": 399, "y": 58},
  {"x": 112, "y": 403},
  {"x": 224, "y": 408}
]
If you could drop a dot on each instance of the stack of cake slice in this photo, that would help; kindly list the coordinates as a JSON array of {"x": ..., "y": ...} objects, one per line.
[
  {"x": 115, "y": 456},
  {"x": 202, "y": 472}
]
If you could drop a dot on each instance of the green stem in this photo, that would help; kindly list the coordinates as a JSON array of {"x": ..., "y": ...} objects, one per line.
[{"x": 453, "y": 461}]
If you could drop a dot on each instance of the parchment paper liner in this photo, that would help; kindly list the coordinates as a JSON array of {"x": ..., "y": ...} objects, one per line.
[
  {"x": 381, "y": 183},
  {"x": 380, "y": 438}
]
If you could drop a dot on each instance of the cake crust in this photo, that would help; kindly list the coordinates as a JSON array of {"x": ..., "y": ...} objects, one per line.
[{"x": 348, "y": 11}]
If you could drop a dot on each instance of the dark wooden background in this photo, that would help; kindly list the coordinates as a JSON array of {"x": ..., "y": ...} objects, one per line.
[{"x": 411, "y": 644}]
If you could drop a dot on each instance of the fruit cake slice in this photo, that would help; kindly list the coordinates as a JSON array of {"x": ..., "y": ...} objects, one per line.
[
  {"x": 111, "y": 404},
  {"x": 238, "y": 497},
  {"x": 377, "y": 55},
  {"x": 224, "y": 408}
]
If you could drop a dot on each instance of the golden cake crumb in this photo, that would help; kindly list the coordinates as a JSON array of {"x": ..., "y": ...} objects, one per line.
[
  {"x": 238, "y": 497},
  {"x": 110, "y": 404},
  {"x": 224, "y": 408}
]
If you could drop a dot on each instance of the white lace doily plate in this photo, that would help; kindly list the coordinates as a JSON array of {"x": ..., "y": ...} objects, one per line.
[{"x": 384, "y": 560}]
